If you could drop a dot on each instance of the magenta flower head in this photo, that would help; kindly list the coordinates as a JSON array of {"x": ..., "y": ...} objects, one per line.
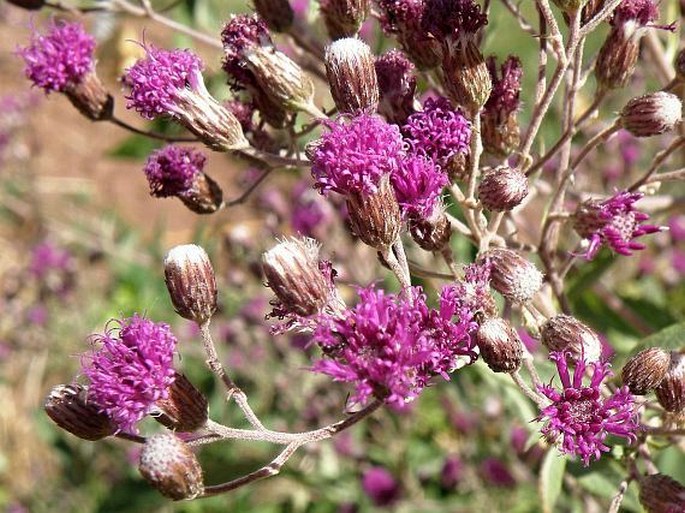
[
  {"x": 390, "y": 346},
  {"x": 178, "y": 171},
  {"x": 380, "y": 486},
  {"x": 614, "y": 222},
  {"x": 453, "y": 21},
  {"x": 418, "y": 184},
  {"x": 60, "y": 58},
  {"x": 355, "y": 154},
  {"x": 170, "y": 83},
  {"x": 397, "y": 86},
  {"x": 639, "y": 13},
  {"x": 130, "y": 368},
  {"x": 580, "y": 418},
  {"x": 439, "y": 132}
]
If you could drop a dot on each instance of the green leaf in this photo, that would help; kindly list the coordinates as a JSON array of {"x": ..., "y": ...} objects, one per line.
[
  {"x": 135, "y": 147},
  {"x": 672, "y": 338},
  {"x": 551, "y": 479}
]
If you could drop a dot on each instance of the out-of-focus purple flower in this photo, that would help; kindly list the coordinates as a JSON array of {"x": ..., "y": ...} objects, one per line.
[
  {"x": 311, "y": 215},
  {"x": 580, "y": 418},
  {"x": 172, "y": 170},
  {"x": 614, "y": 222},
  {"x": 159, "y": 82},
  {"x": 380, "y": 486},
  {"x": 676, "y": 227},
  {"x": 130, "y": 368},
  {"x": 47, "y": 258},
  {"x": 255, "y": 310},
  {"x": 452, "y": 472},
  {"x": 391, "y": 346},
  {"x": 532, "y": 344},
  {"x": 59, "y": 58},
  {"x": 495, "y": 472},
  {"x": 37, "y": 315},
  {"x": 678, "y": 261},
  {"x": 439, "y": 131},
  {"x": 355, "y": 154},
  {"x": 506, "y": 87},
  {"x": 418, "y": 184}
]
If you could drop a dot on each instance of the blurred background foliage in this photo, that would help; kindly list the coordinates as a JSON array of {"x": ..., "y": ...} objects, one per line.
[{"x": 81, "y": 243}]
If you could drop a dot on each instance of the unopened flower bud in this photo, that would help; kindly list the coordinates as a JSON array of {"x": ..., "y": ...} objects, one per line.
[
  {"x": 191, "y": 282},
  {"x": 500, "y": 345},
  {"x": 168, "y": 464},
  {"x": 459, "y": 167},
  {"x": 671, "y": 391},
  {"x": 185, "y": 409},
  {"x": 375, "y": 217},
  {"x": 564, "y": 333},
  {"x": 503, "y": 188},
  {"x": 660, "y": 493},
  {"x": 499, "y": 118},
  {"x": 352, "y": 75},
  {"x": 432, "y": 233},
  {"x": 91, "y": 98},
  {"x": 397, "y": 86},
  {"x": 651, "y": 114},
  {"x": 67, "y": 406},
  {"x": 617, "y": 59},
  {"x": 293, "y": 271},
  {"x": 517, "y": 279},
  {"x": 278, "y": 14},
  {"x": 344, "y": 18},
  {"x": 466, "y": 77},
  {"x": 645, "y": 371}
]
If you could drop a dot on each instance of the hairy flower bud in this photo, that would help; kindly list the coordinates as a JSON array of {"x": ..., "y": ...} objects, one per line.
[
  {"x": 278, "y": 14},
  {"x": 168, "y": 464},
  {"x": 91, "y": 98},
  {"x": 466, "y": 77},
  {"x": 375, "y": 217},
  {"x": 617, "y": 59},
  {"x": 191, "y": 282},
  {"x": 671, "y": 391},
  {"x": 68, "y": 407},
  {"x": 352, "y": 76},
  {"x": 431, "y": 233},
  {"x": 645, "y": 371},
  {"x": 503, "y": 188},
  {"x": 499, "y": 344},
  {"x": 651, "y": 114},
  {"x": 660, "y": 493},
  {"x": 344, "y": 18},
  {"x": 185, "y": 409},
  {"x": 293, "y": 272},
  {"x": 568, "y": 334},
  {"x": 517, "y": 279}
]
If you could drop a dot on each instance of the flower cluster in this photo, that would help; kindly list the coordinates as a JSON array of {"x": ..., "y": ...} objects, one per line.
[
  {"x": 391, "y": 346},
  {"x": 579, "y": 418},
  {"x": 614, "y": 222},
  {"x": 60, "y": 58},
  {"x": 130, "y": 369},
  {"x": 172, "y": 170}
]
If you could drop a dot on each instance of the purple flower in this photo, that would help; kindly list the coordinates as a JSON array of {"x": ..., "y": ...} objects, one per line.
[
  {"x": 311, "y": 214},
  {"x": 506, "y": 88},
  {"x": 397, "y": 86},
  {"x": 60, "y": 58},
  {"x": 46, "y": 258},
  {"x": 241, "y": 34},
  {"x": 676, "y": 228},
  {"x": 472, "y": 294},
  {"x": 453, "y": 20},
  {"x": 130, "y": 369},
  {"x": 162, "y": 80},
  {"x": 439, "y": 132},
  {"x": 644, "y": 12},
  {"x": 418, "y": 184},
  {"x": 495, "y": 472},
  {"x": 380, "y": 486},
  {"x": 452, "y": 472},
  {"x": 390, "y": 346},
  {"x": 613, "y": 222},
  {"x": 172, "y": 170},
  {"x": 580, "y": 418},
  {"x": 355, "y": 154}
]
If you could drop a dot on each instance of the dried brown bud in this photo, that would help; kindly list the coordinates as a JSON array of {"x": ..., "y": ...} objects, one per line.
[
  {"x": 29, "y": 5},
  {"x": 204, "y": 197},
  {"x": 278, "y": 14},
  {"x": 500, "y": 137},
  {"x": 517, "y": 279},
  {"x": 503, "y": 188},
  {"x": 282, "y": 80},
  {"x": 185, "y": 409},
  {"x": 344, "y": 18},
  {"x": 500, "y": 346},
  {"x": 293, "y": 272},
  {"x": 617, "y": 58},
  {"x": 645, "y": 371},
  {"x": 466, "y": 77},
  {"x": 651, "y": 114},
  {"x": 671, "y": 391},
  {"x": 459, "y": 167},
  {"x": 660, "y": 493},
  {"x": 375, "y": 218},
  {"x": 431, "y": 234},
  {"x": 352, "y": 76},
  {"x": 169, "y": 465},
  {"x": 91, "y": 98},
  {"x": 191, "y": 282},
  {"x": 66, "y": 405},
  {"x": 566, "y": 333}
]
